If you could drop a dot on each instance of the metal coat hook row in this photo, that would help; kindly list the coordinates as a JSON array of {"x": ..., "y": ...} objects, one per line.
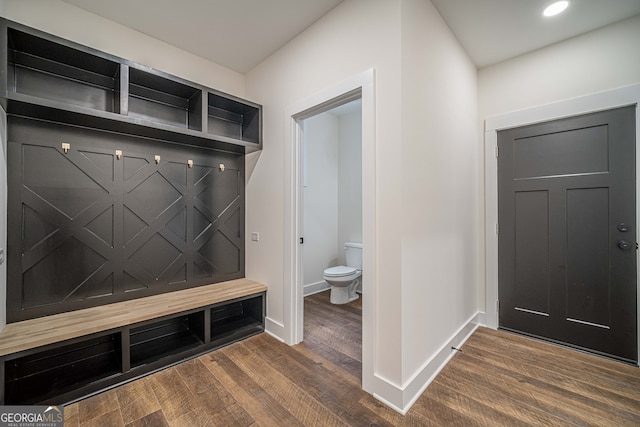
[
  {"x": 66, "y": 147},
  {"x": 118, "y": 154}
]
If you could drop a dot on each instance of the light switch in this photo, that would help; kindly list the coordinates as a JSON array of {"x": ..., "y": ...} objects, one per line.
[{"x": 255, "y": 236}]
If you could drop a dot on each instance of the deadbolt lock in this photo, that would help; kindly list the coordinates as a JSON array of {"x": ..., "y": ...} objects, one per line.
[{"x": 625, "y": 245}]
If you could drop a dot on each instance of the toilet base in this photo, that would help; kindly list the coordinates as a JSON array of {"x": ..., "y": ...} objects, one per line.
[{"x": 344, "y": 294}]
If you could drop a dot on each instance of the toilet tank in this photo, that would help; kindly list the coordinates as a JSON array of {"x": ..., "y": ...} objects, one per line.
[{"x": 353, "y": 254}]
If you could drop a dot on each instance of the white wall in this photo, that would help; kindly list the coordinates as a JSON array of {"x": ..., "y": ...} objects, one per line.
[
  {"x": 332, "y": 192},
  {"x": 321, "y": 140},
  {"x": 439, "y": 197},
  {"x": 75, "y": 24},
  {"x": 425, "y": 186},
  {"x": 350, "y": 181},
  {"x": 355, "y": 36},
  {"x": 600, "y": 60}
]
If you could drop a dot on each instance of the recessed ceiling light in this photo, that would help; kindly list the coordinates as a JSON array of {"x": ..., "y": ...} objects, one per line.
[{"x": 556, "y": 8}]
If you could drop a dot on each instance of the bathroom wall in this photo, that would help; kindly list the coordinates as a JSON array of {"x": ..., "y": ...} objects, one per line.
[
  {"x": 320, "y": 250},
  {"x": 350, "y": 178},
  {"x": 332, "y": 192}
]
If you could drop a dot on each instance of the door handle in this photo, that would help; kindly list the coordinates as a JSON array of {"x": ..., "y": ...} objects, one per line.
[
  {"x": 622, "y": 227},
  {"x": 625, "y": 245}
]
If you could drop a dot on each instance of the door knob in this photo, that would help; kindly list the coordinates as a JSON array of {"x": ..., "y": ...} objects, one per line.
[{"x": 625, "y": 245}]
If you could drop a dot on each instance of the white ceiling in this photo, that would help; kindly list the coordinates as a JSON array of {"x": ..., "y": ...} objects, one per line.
[
  {"x": 239, "y": 34},
  {"x": 492, "y": 31}
]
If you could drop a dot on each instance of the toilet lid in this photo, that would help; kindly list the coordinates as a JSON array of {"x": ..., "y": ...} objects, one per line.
[{"x": 340, "y": 270}]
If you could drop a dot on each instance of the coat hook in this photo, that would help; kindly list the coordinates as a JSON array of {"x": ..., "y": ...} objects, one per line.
[
  {"x": 157, "y": 159},
  {"x": 221, "y": 167},
  {"x": 190, "y": 163},
  {"x": 66, "y": 147},
  {"x": 118, "y": 154}
]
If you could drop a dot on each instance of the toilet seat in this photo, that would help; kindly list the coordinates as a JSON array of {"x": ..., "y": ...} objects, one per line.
[{"x": 339, "y": 271}]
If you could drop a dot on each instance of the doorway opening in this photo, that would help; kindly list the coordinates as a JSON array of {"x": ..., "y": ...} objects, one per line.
[
  {"x": 359, "y": 87},
  {"x": 331, "y": 220}
]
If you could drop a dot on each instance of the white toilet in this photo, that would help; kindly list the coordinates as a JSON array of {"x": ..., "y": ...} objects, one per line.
[{"x": 345, "y": 279}]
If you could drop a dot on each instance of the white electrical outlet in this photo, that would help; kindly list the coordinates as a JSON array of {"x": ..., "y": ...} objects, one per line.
[{"x": 255, "y": 236}]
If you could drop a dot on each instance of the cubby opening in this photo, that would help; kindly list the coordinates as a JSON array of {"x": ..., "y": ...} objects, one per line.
[
  {"x": 233, "y": 119},
  {"x": 44, "y": 69},
  {"x": 157, "y": 340},
  {"x": 235, "y": 320},
  {"x": 39, "y": 377},
  {"x": 162, "y": 100}
]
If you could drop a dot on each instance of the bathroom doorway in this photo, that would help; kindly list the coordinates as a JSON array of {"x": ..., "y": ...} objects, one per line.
[
  {"x": 360, "y": 86},
  {"x": 330, "y": 218},
  {"x": 331, "y": 191}
]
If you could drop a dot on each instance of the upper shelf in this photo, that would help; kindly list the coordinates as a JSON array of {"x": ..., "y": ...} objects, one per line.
[{"x": 51, "y": 78}]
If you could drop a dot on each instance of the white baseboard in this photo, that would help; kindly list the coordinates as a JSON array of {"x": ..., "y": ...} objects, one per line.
[
  {"x": 314, "y": 288},
  {"x": 275, "y": 329},
  {"x": 406, "y": 395}
]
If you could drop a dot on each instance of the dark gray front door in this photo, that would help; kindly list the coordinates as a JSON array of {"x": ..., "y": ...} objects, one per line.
[{"x": 567, "y": 238}]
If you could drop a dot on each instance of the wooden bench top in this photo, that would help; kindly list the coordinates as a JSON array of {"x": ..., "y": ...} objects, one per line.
[{"x": 34, "y": 333}]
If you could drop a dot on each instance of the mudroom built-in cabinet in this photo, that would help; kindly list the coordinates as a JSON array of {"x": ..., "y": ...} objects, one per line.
[{"x": 125, "y": 184}]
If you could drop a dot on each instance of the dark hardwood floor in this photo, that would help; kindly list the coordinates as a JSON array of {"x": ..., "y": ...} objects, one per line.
[{"x": 498, "y": 379}]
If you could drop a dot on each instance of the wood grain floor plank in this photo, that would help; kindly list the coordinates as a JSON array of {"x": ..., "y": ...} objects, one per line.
[
  {"x": 556, "y": 378},
  {"x": 253, "y": 398},
  {"x": 97, "y": 405},
  {"x": 198, "y": 417},
  {"x": 206, "y": 389},
  {"x": 232, "y": 415},
  {"x": 589, "y": 361},
  {"x": 72, "y": 415},
  {"x": 561, "y": 403},
  {"x": 335, "y": 393},
  {"x": 172, "y": 394},
  {"x": 559, "y": 359},
  {"x": 154, "y": 419},
  {"x": 292, "y": 397},
  {"x": 112, "y": 418},
  {"x": 339, "y": 363},
  {"x": 489, "y": 396},
  {"x": 136, "y": 400},
  {"x": 411, "y": 419},
  {"x": 340, "y": 339},
  {"x": 459, "y": 408},
  {"x": 211, "y": 397}
]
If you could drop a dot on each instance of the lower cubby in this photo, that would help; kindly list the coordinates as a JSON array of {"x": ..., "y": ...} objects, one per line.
[
  {"x": 168, "y": 337},
  {"x": 234, "y": 320},
  {"x": 42, "y": 376},
  {"x": 64, "y": 372}
]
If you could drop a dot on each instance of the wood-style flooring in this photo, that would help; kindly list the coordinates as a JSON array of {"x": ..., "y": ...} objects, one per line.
[{"x": 498, "y": 379}]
